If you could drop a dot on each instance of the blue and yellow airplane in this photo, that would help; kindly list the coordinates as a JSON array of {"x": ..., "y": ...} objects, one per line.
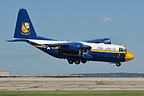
[{"x": 74, "y": 51}]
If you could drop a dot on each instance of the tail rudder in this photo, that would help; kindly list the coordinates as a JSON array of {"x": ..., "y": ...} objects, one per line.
[{"x": 24, "y": 28}]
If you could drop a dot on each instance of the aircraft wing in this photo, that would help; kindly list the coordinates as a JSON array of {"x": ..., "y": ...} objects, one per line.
[
  {"x": 65, "y": 44},
  {"x": 103, "y": 40}
]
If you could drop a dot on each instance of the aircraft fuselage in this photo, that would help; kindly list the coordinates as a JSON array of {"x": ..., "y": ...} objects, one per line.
[{"x": 97, "y": 52}]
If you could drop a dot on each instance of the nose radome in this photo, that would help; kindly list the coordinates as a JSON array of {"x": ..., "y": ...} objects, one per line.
[{"x": 129, "y": 56}]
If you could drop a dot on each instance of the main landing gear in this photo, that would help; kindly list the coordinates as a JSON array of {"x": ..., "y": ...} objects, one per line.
[{"x": 77, "y": 62}]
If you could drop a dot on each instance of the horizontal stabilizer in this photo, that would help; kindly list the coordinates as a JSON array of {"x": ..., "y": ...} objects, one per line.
[{"x": 18, "y": 40}]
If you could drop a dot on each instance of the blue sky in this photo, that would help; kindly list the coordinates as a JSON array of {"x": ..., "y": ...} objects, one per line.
[{"x": 121, "y": 20}]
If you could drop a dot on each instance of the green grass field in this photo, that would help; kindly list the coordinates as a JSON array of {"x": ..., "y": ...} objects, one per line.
[{"x": 41, "y": 93}]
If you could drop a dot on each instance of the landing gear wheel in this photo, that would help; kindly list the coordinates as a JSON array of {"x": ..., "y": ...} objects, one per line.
[
  {"x": 70, "y": 61},
  {"x": 118, "y": 64},
  {"x": 83, "y": 61},
  {"x": 77, "y": 62}
]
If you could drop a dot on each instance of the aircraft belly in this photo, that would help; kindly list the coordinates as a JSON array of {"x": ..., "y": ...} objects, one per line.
[
  {"x": 109, "y": 57},
  {"x": 58, "y": 54},
  {"x": 53, "y": 52}
]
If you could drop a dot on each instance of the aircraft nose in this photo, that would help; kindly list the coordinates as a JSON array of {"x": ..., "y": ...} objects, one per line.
[{"x": 129, "y": 56}]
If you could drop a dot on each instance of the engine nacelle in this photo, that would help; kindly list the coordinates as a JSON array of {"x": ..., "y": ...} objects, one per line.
[
  {"x": 80, "y": 49},
  {"x": 74, "y": 48}
]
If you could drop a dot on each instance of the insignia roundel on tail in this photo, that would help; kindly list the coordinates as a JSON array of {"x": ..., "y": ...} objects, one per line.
[{"x": 25, "y": 29}]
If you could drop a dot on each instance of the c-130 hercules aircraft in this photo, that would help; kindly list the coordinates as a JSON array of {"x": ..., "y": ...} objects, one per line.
[{"x": 74, "y": 51}]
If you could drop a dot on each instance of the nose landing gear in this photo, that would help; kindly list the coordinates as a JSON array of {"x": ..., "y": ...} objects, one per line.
[{"x": 118, "y": 64}]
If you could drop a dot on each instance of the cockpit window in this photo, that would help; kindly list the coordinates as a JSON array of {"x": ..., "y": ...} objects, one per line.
[{"x": 122, "y": 49}]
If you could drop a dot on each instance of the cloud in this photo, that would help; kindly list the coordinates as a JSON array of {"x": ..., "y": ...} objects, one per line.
[{"x": 105, "y": 19}]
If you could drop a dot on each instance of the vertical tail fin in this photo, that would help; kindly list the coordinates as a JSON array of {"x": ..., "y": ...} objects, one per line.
[{"x": 24, "y": 28}]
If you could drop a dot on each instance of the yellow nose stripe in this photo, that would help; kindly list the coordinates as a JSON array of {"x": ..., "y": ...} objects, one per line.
[{"x": 129, "y": 56}]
